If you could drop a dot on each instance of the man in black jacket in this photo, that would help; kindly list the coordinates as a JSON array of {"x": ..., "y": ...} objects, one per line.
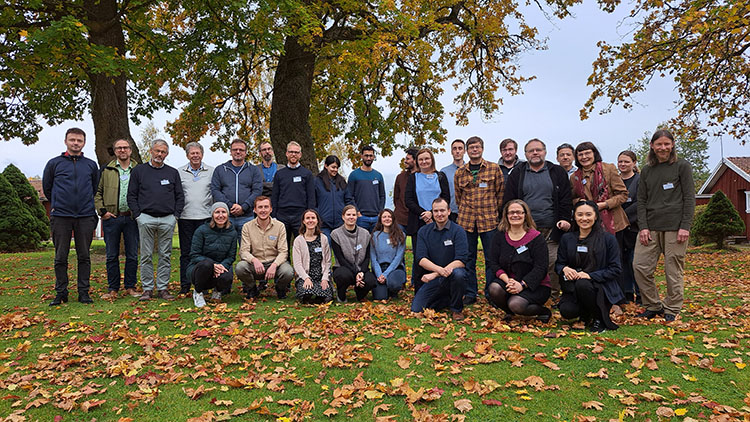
[{"x": 545, "y": 188}]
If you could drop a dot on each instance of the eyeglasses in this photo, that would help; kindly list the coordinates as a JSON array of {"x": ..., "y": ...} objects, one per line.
[
  {"x": 516, "y": 212},
  {"x": 122, "y": 148},
  {"x": 294, "y": 152}
]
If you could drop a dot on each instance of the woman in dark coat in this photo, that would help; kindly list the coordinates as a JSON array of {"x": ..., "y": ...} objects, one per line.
[
  {"x": 331, "y": 195},
  {"x": 626, "y": 238},
  {"x": 212, "y": 253},
  {"x": 518, "y": 261},
  {"x": 588, "y": 262}
]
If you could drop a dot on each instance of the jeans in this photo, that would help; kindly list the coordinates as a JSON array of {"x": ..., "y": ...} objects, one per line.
[
  {"x": 471, "y": 264},
  {"x": 152, "y": 229},
  {"x": 367, "y": 222},
  {"x": 127, "y": 227},
  {"x": 394, "y": 282},
  {"x": 82, "y": 231},
  {"x": 238, "y": 222},
  {"x": 442, "y": 292},
  {"x": 186, "y": 229}
]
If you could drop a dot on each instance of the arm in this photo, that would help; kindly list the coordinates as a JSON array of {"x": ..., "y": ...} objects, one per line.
[
  {"x": 99, "y": 196},
  {"x": 246, "y": 250},
  {"x": 351, "y": 186},
  {"x": 274, "y": 195},
  {"x": 396, "y": 260},
  {"x": 609, "y": 267},
  {"x": 299, "y": 243},
  {"x": 196, "y": 246},
  {"x": 562, "y": 254},
  {"x": 540, "y": 259},
  {"x": 216, "y": 186},
  {"x": 48, "y": 179},
  {"x": 256, "y": 188},
  {"x": 500, "y": 191},
  {"x": 445, "y": 189},
  {"x": 339, "y": 255},
  {"x": 618, "y": 192},
  {"x": 133, "y": 192},
  {"x": 282, "y": 246},
  {"x": 374, "y": 256},
  {"x": 326, "y": 257},
  {"x": 458, "y": 191},
  {"x": 511, "y": 187},
  {"x": 311, "y": 200},
  {"x": 179, "y": 195},
  {"x": 381, "y": 192},
  {"x": 365, "y": 265},
  {"x": 564, "y": 200},
  {"x": 642, "y": 199},
  {"x": 410, "y": 196},
  {"x": 688, "y": 196},
  {"x": 229, "y": 260},
  {"x": 349, "y": 199},
  {"x": 94, "y": 178},
  {"x": 493, "y": 258}
]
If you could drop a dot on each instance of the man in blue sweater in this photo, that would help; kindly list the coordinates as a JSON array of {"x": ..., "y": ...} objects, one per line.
[
  {"x": 156, "y": 199},
  {"x": 293, "y": 191},
  {"x": 366, "y": 186},
  {"x": 237, "y": 183},
  {"x": 69, "y": 182}
]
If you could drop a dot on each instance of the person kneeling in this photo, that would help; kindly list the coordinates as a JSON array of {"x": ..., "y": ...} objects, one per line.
[
  {"x": 387, "y": 256},
  {"x": 518, "y": 259},
  {"x": 588, "y": 262},
  {"x": 312, "y": 261},
  {"x": 212, "y": 253},
  {"x": 351, "y": 247},
  {"x": 441, "y": 252}
]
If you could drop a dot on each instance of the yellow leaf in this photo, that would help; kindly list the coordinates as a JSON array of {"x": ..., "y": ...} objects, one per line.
[
  {"x": 689, "y": 377},
  {"x": 680, "y": 412},
  {"x": 23, "y": 33},
  {"x": 372, "y": 394},
  {"x": 740, "y": 365}
]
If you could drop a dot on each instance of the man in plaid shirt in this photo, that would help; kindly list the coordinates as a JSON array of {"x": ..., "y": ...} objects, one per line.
[{"x": 479, "y": 189}]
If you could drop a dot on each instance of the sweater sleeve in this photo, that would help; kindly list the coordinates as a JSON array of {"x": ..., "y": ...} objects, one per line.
[
  {"x": 445, "y": 189},
  {"x": 133, "y": 192},
  {"x": 179, "y": 195},
  {"x": 48, "y": 179},
  {"x": 311, "y": 200},
  {"x": 688, "y": 195},
  {"x": 297, "y": 258},
  {"x": 642, "y": 198},
  {"x": 340, "y": 259},
  {"x": 511, "y": 186},
  {"x": 374, "y": 256},
  {"x": 493, "y": 261},
  {"x": 562, "y": 253},
  {"x": 618, "y": 192},
  {"x": 274, "y": 195},
  {"x": 540, "y": 258},
  {"x": 229, "y": 260},
  {"x": 397, "y": 259},
  {"x": 282, "y": 246},
  {"x": 196, "y": 247},
  {"x": 609, "y": 267},
  {"x": 410, "y": 196},
  {"x": 326, "y": 265},
  {"x": 99, "y": 195},
  {"x": 381, "y": 192}
]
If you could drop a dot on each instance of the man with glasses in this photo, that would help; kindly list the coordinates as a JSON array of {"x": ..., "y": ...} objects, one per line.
[
  {"x": 366, "y": 186},
  {"x": 111, "y": 202},
  {"x": 293, "y": 191},
  {"x": 508, "y": 156},
  {"x": 545, "y": 187},
  {"x": 479, "y": 193}
]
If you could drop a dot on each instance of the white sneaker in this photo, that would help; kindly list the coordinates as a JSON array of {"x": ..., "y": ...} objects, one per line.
[
  {"x": 216, "y": 295},
  {"x": 198, "y": 299}
]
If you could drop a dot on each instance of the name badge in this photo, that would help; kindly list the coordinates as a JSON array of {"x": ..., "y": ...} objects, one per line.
[
  {"x": 297, "y": 179},
  {"x": 582, "y": 249},
  {"x": 388, "y": 241},
  {"x": 271, "y": 237},
  {"x": 375, "y": 182},
  {"x": 521, "y": 249},
  {"x": 125, "y": 177},
  {"x": 318, "y": 249},
  {"x": 448, "y": 242},
  {"x": 164, "y": 182},
  {"x": 584, "y": 181},
  {"x": 358, "y": 247},
  {"x": 431, "y": 176},
  {"x": 668, "y": 186},
  {"x": 629, "y": 199},
  {"x": 483, "y": 185}
]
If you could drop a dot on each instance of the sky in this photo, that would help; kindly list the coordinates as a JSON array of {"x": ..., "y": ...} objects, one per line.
[{"x": 548, "y": 109}]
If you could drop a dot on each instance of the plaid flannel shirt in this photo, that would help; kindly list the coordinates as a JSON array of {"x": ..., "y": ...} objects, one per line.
[{"x": 480, "y": 198}]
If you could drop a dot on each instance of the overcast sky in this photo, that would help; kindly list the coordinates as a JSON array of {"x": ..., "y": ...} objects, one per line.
[{"x": 548, "y": 109}]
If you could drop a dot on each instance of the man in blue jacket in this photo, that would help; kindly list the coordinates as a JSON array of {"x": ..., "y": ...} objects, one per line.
[
  {"x": 69, "y": 182},
  {"x": 237, "y": 183}
]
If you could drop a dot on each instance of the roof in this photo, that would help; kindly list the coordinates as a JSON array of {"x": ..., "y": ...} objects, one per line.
[
  {"x": 739, "y": 165},
  {"x": 37, "y": 185}
]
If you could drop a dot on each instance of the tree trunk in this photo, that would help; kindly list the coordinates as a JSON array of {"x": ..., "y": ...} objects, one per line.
[
  {"x": 290, "y": 105},
  {"x": 109, "y": 97}
]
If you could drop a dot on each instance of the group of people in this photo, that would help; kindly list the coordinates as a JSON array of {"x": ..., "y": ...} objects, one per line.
[{"x": 586, "y": 235}]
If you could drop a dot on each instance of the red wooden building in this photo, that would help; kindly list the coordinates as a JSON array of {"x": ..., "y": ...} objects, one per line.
[{"x": 731, "y": 176}]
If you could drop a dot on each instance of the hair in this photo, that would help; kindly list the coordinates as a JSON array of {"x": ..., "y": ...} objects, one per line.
[
  {"x": 213, "y": 224},
  {"x": 631, "y": 154},
  {"x": 156, "y": 142},
  {"x": 339, "y": 180},
  {"x": 77, "y": 131},
  {"x": 535, "y": 140},
  {"x": 661, "y": 133},
  {"x": 260, "y": 198},
  {"x": 432, "y": 158},
  {"x": 238, "y": 141},
  {"x": 413, "y": 152},
  {"x": 263, "y": 143},
  {"x": 565, "y": 146},
  {"x": 585, "y": 146},
  {"x": 118, "y": 140},
  {"x": 460, "y": 141},
  {"x": 528, "y": 220},
  {"x": 504, "y": 143},
  {"x": 302, "y": 228},
  {"x": 293, "y": 144},
  {"x": 367, "y": 148},
  {"x": 474, "y": 140},
  {"x": 396, "y": 234},
  {"x": 597, "y": 229},
  {"x": 439, "y": 199},
  {"x": 347, "y": 208},
  {"x": 193, "y": 145}
]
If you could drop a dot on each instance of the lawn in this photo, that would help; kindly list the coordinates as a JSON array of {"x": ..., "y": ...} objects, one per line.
[{"x": 274, "y": 360}]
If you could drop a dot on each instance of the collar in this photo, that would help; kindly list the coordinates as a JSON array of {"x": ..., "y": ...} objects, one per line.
[
  {"x": 151, "y": 163},
  {"x": 294, "y": 167},
  {"x": 190, "y": 168},
  {"x": 263, "y": 164},
  {"x": 446, "y": 227},
  {"x": 130, "y": 165},
  {"x": 270, "y": 223}
]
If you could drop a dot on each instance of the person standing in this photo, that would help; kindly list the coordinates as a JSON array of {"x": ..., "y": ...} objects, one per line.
[
  {"x": 400, "y": 212},
  {"x": 508, "y": 156},
  {"x": 156, "y": 200},
  {"x": 666, "y": 202},
  {"x": 293, "y": 191},
  {"x": 458, "y": 148},
  {"x": 626, "y": 238},
  {"x": 196, "y": 185},
  {"x": 111, "y": 201},
  {"x": 545, "y": 187},
  {"x": 479, "y": 192},
  {"x": 565, "y": 158},
  {"x": 331, "y": 195},
  {"x": 237, "y": 183},
  {"x": 368, "y": 190},
  {"x": 267, "y": 167},
  {"x": 70, "y": 181}
]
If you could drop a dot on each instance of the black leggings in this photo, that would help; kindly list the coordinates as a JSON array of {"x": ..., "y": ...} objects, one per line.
[
  {"x": 513, "y": 304},
  {"x": 204, "y": 280},
  {"x": 343, "y": 277},
  {"x": 581, "y": 303}
]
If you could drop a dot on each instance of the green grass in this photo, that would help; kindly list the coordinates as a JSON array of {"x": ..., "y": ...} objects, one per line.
[{"x": 274, "y": 359}]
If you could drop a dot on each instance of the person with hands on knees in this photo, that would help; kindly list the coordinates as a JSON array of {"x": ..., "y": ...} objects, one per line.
[
  {"x": 351, "y": 247},
  {"x": 518, "y": 262},
  {"x": 588, "y": 262},
  {"x": 312, "y": 261},
  {"x": 212, "y": 253},
  {"x": 387, "y": 256}
]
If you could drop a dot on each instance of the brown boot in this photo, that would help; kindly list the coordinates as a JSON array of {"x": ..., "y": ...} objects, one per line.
[
  {"x": 110, "y": 295},
  {"x": 458, "y": 316},
  {"x": 132, "y": 292},
  {"x": 146, "y": 295},
  {"x": 163, "y": 294}
]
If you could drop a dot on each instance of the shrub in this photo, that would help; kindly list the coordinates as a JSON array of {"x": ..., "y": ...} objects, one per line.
[
  {"x": 30, "y": 199},
  {"x": 16, "y": 222},
  {"x": 719, "y": 220},
  {"x": 696, "y": 240}
]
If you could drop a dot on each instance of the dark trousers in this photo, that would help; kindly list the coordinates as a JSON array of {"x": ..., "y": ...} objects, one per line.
[
  {"x": 471, "y": 264},
  {"x": 626, "y": 239},
  {"x": 82, "y": 231},
  {"x": 114, "y": 228},
  {"x": 292, "y": 231},
  {"x": 185, "y": 230},
  {"x": 442, "y": 292},
  {"x": 344, "y": 277},
  {"x": 587, "y": 301},
  {"x": 204, "y": 280}
]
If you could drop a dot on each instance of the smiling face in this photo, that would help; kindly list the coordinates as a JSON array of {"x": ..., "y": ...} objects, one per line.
[
  {"x": 122, "y": 150},
  {"x": 310, "y": 221},
  {"x": 195, "y": 156},
  {"x": 409, "y": 162},
  {"x": 350, "y": 217},
  {"x": 625, "y": 164},
  {"x": 585, "y": 217},
  {"x": 263, "y": 209},
  {"x": 662, "y": 148},
  {"x": 293, "y": 154},
  {"x": 332, "y": 169},
  {"x": 565, "y": 158},
  {"x": 516, "y": 215},
  {"x": 220, "y": 216},
  {"x": 238, "y": 150},
  {"x": 586, "y": 158},
  {"x": 424, "y": 161},
  {"x": 475, "y": 151},
  {"x": 440, "y": 212},
  {"x": 368, "y": 157},
  {"x": 386, "y": 219}
]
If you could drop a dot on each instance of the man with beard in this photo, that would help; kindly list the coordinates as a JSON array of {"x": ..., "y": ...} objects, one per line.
[
  {"x": 508, "y": 157},
  {"x": 293, "y": 191},
  {"x": 400, "y": 212},
  {"x": 267, "y": 167},
  {"x": 366, "y": 186}
]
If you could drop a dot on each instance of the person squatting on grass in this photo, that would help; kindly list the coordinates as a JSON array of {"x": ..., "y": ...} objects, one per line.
[
  {"x": 351, "y": 248},
  {"x": 312, "y": 261},
  {"x": 387, "y": 256}
]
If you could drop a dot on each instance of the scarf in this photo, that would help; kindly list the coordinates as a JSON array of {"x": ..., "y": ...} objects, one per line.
[{"x": 599, "y": 190}]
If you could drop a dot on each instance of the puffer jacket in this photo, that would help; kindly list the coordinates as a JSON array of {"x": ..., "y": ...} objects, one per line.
[{"x": 217, "y": 244}]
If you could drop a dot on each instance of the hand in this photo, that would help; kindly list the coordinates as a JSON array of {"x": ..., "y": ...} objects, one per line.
[
  {"x": 236, "y": 210},
  {"x": 257, "y": 266},
  {"x": 381, "y": 279},
  {"x": 563, "y": 225},
  {"x": 323, "y": 284},
  {"x": 271, "y": 272},
  {"x": 307, "y": 284},
  {"x": 645, "y": 236},
  {"x": 108, "y": 215},
  {"x": 444, "y": 272},
  {"x": 682, "y": 235},
  {"x": 219, "y": 269},
  {"x": 602, "y": 205},
  {"x": 429, "y": 277},
  {"x": 426, "y": 216},
  {"x": 513, "y": 287},
  {"x": 570, "y": 273},
  {"x": 582, "y": 274},
  {"x": 360, "y": 279}
]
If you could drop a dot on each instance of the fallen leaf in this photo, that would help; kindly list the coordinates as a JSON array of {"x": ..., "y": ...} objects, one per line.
[
  {"x": 593, "y": 405},
  {"x": 463, "y": 405}
]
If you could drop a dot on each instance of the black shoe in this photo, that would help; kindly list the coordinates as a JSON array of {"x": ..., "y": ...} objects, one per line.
[
  {"x": 184, "y": 290},
  {"x": 262, "y": 285},
  {"x": 280, "y": 294},
  {"x": 638, "y": 300},
  {"x": 252, "y": 293},
  {"x": 470, "y": 300},
  {"x": 59, "y": 299},
  {"x": 341, "y": 296},
  {"x": 508, "y": 317},
  {"x": 669, "y": 317},
  {"x": 84, "y": 297},
  {"x": 544, "y": 316},
  {"x": 648, "y": 314},
  {"x": 597, "y": 326}
]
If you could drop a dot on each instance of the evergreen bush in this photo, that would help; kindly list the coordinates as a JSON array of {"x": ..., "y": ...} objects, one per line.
[
  {"x": 16, "y": 222},
  {"x": 30, "y": 199},
  {"x": 719, "y": 220}
]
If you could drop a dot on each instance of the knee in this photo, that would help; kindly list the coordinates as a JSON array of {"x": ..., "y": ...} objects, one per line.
[
  {"x": 396, "y": 280},
  {"x": 568, "y": 310},
  {"x": 584, "y": 285},
  {"x": 460, "y": 274},
  {"x": 495, "y": 290},
  {"x": 284, "y": 272},
  {"x": 517, "y": 307}
]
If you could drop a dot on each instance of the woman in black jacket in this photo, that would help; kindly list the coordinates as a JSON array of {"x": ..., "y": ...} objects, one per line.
[
  {"x": 626, "y": 238},
  {"x": 588, "y": 262}
]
